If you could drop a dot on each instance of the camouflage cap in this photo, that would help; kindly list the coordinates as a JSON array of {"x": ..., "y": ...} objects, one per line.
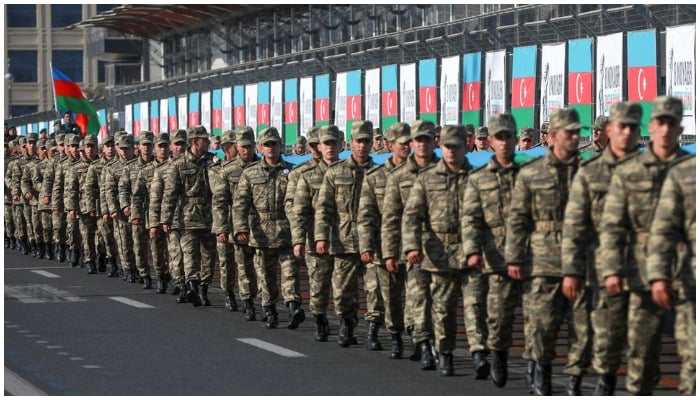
[
  {"x": 483, "y": 132},
  {"x": 228, "y": 138},
  {"x": 422, "y": 128},
  {"x": 470, "y": 129},
  {"x": 22, "y": 141},
  {"x": 330, "y": 133},
  {"x": 216, "y": 139},
  {"x": 180, "y": 136},
  {"x": 667, "y": 106},
  {"x": 454, "y": 135},
  {"x": 41, "y": 143},
  {"x": 60, "y": 138},
  {"x": 378, "y": 132},
  {"x": 197, "y": 132},
  {"x": 146, "y": 137},
  {"x": 600, "y": 122},
  {"x": 269, "y": 135},
  {"x": 109, "y": 138},
  {"x": 51, "y": 144},
  {"x": 163, "y": 138},
  {"x": 312, "y": 135},
  {"x": 32, "y": 137},
  {"x": 399, "y": 132},
  {"x": 544, "y": 127},
  {"x": 625, "y": 112},
  {"x": 72, "y": 140},
  {"x": 301, "y": 141},
  {"x": 565, "y": 118},
  {"x": 125, "y": 141},
  {"x": 501, "y": 123},
  {"x": 362, "y": 130},
  {"x": 57, "y": 122},
  {"x": 89, "y": 139},
  {"x": 12, "y": 143},
  {"x": 527, "y": 133},
  {"x": 245, "y": 136}
]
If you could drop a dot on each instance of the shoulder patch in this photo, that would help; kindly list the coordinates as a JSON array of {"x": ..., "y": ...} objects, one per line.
[
  {"x": 531, "y": 161},
  {"x": 334, "y": 163},
  {"x": 627, "y": 158},
  {"x": 595, "y": 157},
  {"x": 254, "y": 163}
]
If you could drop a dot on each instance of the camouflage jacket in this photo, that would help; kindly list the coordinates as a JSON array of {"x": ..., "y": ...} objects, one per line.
[
  {"x": 485, "y": 211},
  {"x": 129, "y": 181},
  {"x": 594, "y": 147},
  {"x": 629, "y": 207},
  {"x": 20, "y": 170},
  {"x": 224, "y": 190},
  {"x": 293, "y": 180},
  {"x": 43, "y": 181},
  {"x": 75, "y": 187},
  {"x": 155, "y": 193},
  {"x": 304, "y": 205},
  {"x": 536, "y": 214},
  {"x": 9, "y": 161},
  {"x": 93, "y": 185},
  {"x": 140, "y": 200},
  {"x": 398, "y": 186},
  {"x": 187, "y": 183},
  {"x": 113, "y": 172},
  {"x": 59, "y": 183},
  {"x": 258, "y": 208},
  {"x": 369, "y": 214},
  {"x": 27, "y": 180},
  {"x": 337, "y": 204},
  {"x": 431, "y": 222}
]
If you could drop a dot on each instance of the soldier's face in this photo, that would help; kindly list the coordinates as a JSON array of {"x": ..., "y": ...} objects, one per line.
[
  {"x": 330, "y": 150},
  {"x": 400, "y": 150},
  {"x": 73, "y": 150},
  {"x": 378, "y": 142},
  {"x": 145, "y": 150},
  {"x": 299, "y": 149},
  {"x": 31, "y": 147},
  {"x": 482, "y": 143},
  {"x": 470, "y": 141},
  {"x": 246, "y": 153},
  {"x": 90, "y": 151},
  {"x": 108, "y": 150},
  {"x": 423, "y": 146},
  {"x": 234, "y": 150},
  {"x": 453, "y": 154},
  {"x": 360, "y": 147},
  {"x": 503, "y": 144},
  {"x": 314, "y": 149},
  {"x": 177, "y": 148},
  {"x": 565, "y": 140},
  {"x": 162, "y": 151},
  {"x": 665, "y": 132},
  {"x": 199, "y": 145},
  {"x": 623, "y": 137},
  {"x": 525, "y": 143},
  {"x": 60, "y": 148},
  {"x": 271, "y": 149}
]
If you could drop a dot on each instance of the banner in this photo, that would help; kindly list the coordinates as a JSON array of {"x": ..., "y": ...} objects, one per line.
[
  {"x": 340, "y": 100},
  {"x": 251, "y": 106},
  {"x": 128, "y": 118},
  {"x": 354, "y": 100},
  {"x": 263, "y": 115},
  {"x": 390, "y": 96},
  {"x": 276, "y": 104},
  {"x": 144, "y": 117},
  {"x": 641, "y": 72},
  {"x": 101, "y": 116},
  {"x": 580, "y": 82},
  {"x": 372, "y": 96},
  {"x": 305, "y": 109},
  {"x": 216, "y": 113},
  {"x": 164, "y": 116},
  {"x": 226, "y": 109},
  {"x": 407, "y": 101},
  {"x": 239, "y": 119},
  {"x": 449, "y": 91},
  {"x": 680, "y": 71},
  {"x": 427, "y": 81},
  {"x": 291, "y": 111},
  {"x": 495, "y": 89},
  {"x": 471, "y": 89},
  {"x": 172, "y": 114},
  {"x": 322, "y": 101},
  {"x": 182, "y": 112},
  {"x": 553, "y": 70},
  {"x": 608, "y": 80},
  {"x": 193, "y": 110},
  {"x": 136, "y": 126},
  {"x": 155, "y": 116},
  {"x": 522, "y": 102}
]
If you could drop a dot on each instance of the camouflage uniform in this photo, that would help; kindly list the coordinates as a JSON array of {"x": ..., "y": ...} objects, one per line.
[
  {"x": 58, "y": 218},
  {"x": 674, "y": 224},
  {"x": 9, "y": 221},
  {"x": 23, "y": 209},
  {"x": 42, "y": 182},
  {"x": 59, "y": 191},
  {"x": 595, "y": 147},
  {"x": 106, "y": 244},
  {"x": 31, "y": 211}
]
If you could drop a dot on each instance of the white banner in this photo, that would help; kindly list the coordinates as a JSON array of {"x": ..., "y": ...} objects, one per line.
[
  {"x": 680, "y": 71},
  {"x": 373, "y": 90},
  {"x": 226, "y": 110},
  {"x": 251, "y": 106},
  {"x": 407, "y": 92},
  {"x": 495, "y": 88},
  {"x": 144, "y": 118},
  {"x": 163, "y": 115},
  {"x": 341, "y": 91},
  {"x": 553, "y": 79},
  {"x": 205, "y": 111},
  {"x": 306, "y": 104},
  {"x": 449, "y": 91},
  {"x": 276, "y": 104},
  {"x": 182, "y": 112},
  {"x": 129, "y": 118},
  {"x": 608, "y": 72}
]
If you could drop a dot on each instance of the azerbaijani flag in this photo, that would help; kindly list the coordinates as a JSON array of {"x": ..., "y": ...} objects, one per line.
[
  {"x": 193, "y": 116},
  {"x": 102, "y": 116},
  {"x": 353, "y": 103},
  {"x": 239, "y": 106},
  {"x": 136, "y": 124},
  {"x": 263, "y": 112},
  {"x": 216, "y": 113},
  {"x": 522, "y": 102},
  {"x": 427, "y": 81},
  {"x": 580, "y": 85},
  {"x": 641, "y": 72},
  {"x": 471, "y": 89},
  {"x": 172, "y": 114},
  {"x": 291, "y": 111},
  {"x": 390, "y": 96},
  {"x": 155, "y": 118},
  {"x": 322, "y": 103},
  {"x": 69, "y": 97}
]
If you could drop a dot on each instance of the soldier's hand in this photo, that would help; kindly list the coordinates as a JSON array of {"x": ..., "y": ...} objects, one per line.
[
  {"x": 71, "y": 214},
  {"x": 367, "y": 257},
  {"x": 322, "y": 247},
  {"x": 571, "y": 287},
  {"x": 115, "y": 215},
  {"x": 105, "y": 218},
  {"x": 515, "y": 271},
  {"x": 299, "y": 250},
  {"x": 222, "y": 238},
  {"x": 392, "y": 265},
  {"x": 56, "y": 212},
  {"x": 613, "y": 284},
  {"x": 153, "y": 233},
  {"x": 662, "y": 294},
  {"x": 135, "y": 221},
  {"x": 47, "y": 200},
  {"x": 127, "y": 211},
  {"x": 166, "y": 228},
  {"x": 15, "y": 198},
  {"x": 28, "y": 196},
  {"x": 242, "y": 238},
  {"x": 93, "y": 214},
  {"x": 475, "y": 261},
  {"x": 415, "y": 256}
]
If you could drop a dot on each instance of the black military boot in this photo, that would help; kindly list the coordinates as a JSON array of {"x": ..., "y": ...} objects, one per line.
[
  {"x": 161, "y": 284},
  {"x": 34, "y": 249},
  {"x": 322, "y": 329},
  {"x": 396, "y": 352},
  {"x": 530, "y": 376},
  {"x": 345, "y": 333},
  {"x": 74, "y": 258},
  {"x": 132, "y": 276},
  {"x": 25, "y": 246},
  {"x": 415, "y": 356},
  {"x": 49, "y": 250},
  {"x": 372, "y": 343},
  {"x": 176, "y": 290},
  {"x": 203, "y": 295},
  {"x": 445, "y": 365},
  {"x": 249, "y": 309},
  {"x": 543, "y": 379},
  {"x": 41, "y": 250},
  {"x": 113, "y": 271},
  {"x": 61, "y": 252},
  {"x": 7, "y": 242},
  {"x": 230, "y": 302},
  {"x": 573, "y": 385},
  {"x": 499, "y": 368},
  {"x": 91, "y": 269},
  {"x": 606, "y": 385},
  {"x": 182, "y": 293},
  {"x": 13, "y": 243},
  {"x": 296, "y": 315},
  {"x": 101, "y": 263},
  {"x": 271, "y": 318},
  {"x": 481, "y": 365},
  {"x": 147, "y": 282},
  {"x": 193, "y": 293},
  {"x": 427, "y": 359}
]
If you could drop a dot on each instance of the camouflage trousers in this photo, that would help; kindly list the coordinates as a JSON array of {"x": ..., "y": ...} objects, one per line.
[
  {"x": 88, "y": 228},
  {"x": 444, "y": 291},
  {"x": 198, "y": 254},
  {"x": 9, "y": 221},
  {"x": 105, "y": 241},
  {"x": 36, "y": 224},
  {"x": 346, "y": 286},
  {"x": 644, "y": 327},
  {"x": 73, "y": 239},
  {"x": 125, "y": 241},
  {"x": 393, "y": 286},
  {"x": 501, "y": 301},
  {"x": 18, "y": 218},
  {"x": 527, "y": 322},
  {"x": 609, "y": 320},
  {"x": 685, "y": 340},
  {"x": 159, "y": 252},
  {"x": 27, "y": 214},
  {"x": 373, "y": 280},
  {"x": 46, "y": 225},
  {"x": 418, "y": 304},
  {"x": 58, "y": 222},
  {"x": 175, "y": 263},
  {"x": 320, "y": 269},
  {"x": 227, "y": 266},
  {"x": 142, "y": 248},
  {"x": 474, "y": 291},
  {"x": 247, "y": 276},
  {"x": 267, "y": 261}
]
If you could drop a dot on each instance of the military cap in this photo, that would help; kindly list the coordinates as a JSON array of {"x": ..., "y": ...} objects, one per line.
[
  {"x": 626, "y": 112},
  {"x": 12, "y": 143},
  {"x": 89, "y": 139},
  {"x": 22, "y": 141},
  {"x": 470, "y": 129},
  {"x": 41, "y": 143},
  {"x": 312, "y": 135},
  {"x": 565, "y": 118},
  {"x": 399, "y": 132},
  {"x": 12, "y": 127},
  {"x": 422, "y": 128},
  {"x": 109, "y": 138},
  {"x": 301, "y": 140},
  {"x": 146, "y": 137},
  {"x": 216, "y": 139},
  {"x": 32, "y": 137},
  {"x": 197, "y": 131},
  {"x": 180, "y": 136},
  {"x": 330, "y": 133},
  {"x": 245, "y": 136},
  {"x": 57, "y": 122},
  {"x": 527, "y": 133},
  {"x": 454, "y": 135},
  {"x": 228, "y": 138},
  {"x": 544, "y": 127},
  {"x": 60, "y": 138},
  {"x": 378, "y": 132},
  {"x": 600, "y": 122},
  {"x": 483, "y": 132},
  {"x": 501, "y": 123},
  {"x": 51, "y": 144},
  {"x": 667, "y": 106},
  {"x": 125, "y": 141},
  {"x": 269, "y": 135},
  {"x": 362, "y": 130},
  {"x": 162, "y": 138},
  {"x": 72, "y": 140}
]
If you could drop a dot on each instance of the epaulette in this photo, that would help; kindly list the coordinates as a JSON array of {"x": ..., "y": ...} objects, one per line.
[
  {"x": 628, "y": 158},
  {"x": 133, "y": 160},
  {"x": 682, "y": 158},
  {"x": 374, "y": 169},
  {"x": 301, "y": 165},
  {"x": 256, "y": 162},
  {"x": 595, "y": 157},
  {"x": 475, "y": 170},
  {"x": 528, "y": 162},
  {"x": 336, "y": 163}
]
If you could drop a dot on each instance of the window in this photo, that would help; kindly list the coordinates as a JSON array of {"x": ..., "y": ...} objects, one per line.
[
  {"x": 101, "y": 76},
  {"x": 63, "y": 15},
  {"x": 21, "y": 15},
  {"x": 70, "y": 62},
  {"x": 105, "y": 7},
  {"x": 23, "y": 65},
  {"x": 17, "y": 111}
]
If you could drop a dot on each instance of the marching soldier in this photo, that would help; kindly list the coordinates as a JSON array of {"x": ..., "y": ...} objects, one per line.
[
  {"x": 58, "y": 218},
  {"x": 482, "y": 139},
  {"x": 544, "y": 134},
  {"x": 526, "y": 139},
  {"x": 599, "y": 139},
  {"x": 471, "y": 138},
  {"x": 30, "y": 194},
  {"x": 10, "y": 156},
  {"x": 42, "y": 176},
  {"x": 22, "y": 223},
  {"x": 60, "y": 194}
]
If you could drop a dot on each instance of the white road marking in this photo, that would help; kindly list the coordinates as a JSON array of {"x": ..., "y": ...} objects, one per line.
[
  {"x": 91, "y": 366},
  {"x": 76, "y": 358},
  {"x": 32, "y": 335},
  {"x": 54, "y": 347},
  {"x": 40, "y": 293},
  {"x": 42, "y": 341},
  {"x": 23, "y": 331},
  {"x": 11, "y": 326},
  {"x": 130, "y": 302},
  {"x": 7, "y": 268},
  {"x": 17, "y": 386},
  {"x": 46, "y": 274},
  {"x": 63, "y": 353},
  {"x": 270, "y": 347}
]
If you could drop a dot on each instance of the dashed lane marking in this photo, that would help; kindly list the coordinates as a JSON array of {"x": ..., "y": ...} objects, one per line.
[
  {"x": 130, "y": 302},
  {"x": 273, "y": 348},
  {"x": 46, "y": 274},
  {"x": 17, "y": 386}
]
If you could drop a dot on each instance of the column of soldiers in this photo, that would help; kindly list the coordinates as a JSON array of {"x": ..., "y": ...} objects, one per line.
[{"x": 605, "y": 245}]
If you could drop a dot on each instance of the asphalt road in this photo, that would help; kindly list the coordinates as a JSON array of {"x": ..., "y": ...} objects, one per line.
[{"x": 68, "y": 333}]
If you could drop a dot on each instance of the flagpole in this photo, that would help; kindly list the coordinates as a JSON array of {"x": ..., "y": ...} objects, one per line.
[{"x": 53, "y": 89}]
